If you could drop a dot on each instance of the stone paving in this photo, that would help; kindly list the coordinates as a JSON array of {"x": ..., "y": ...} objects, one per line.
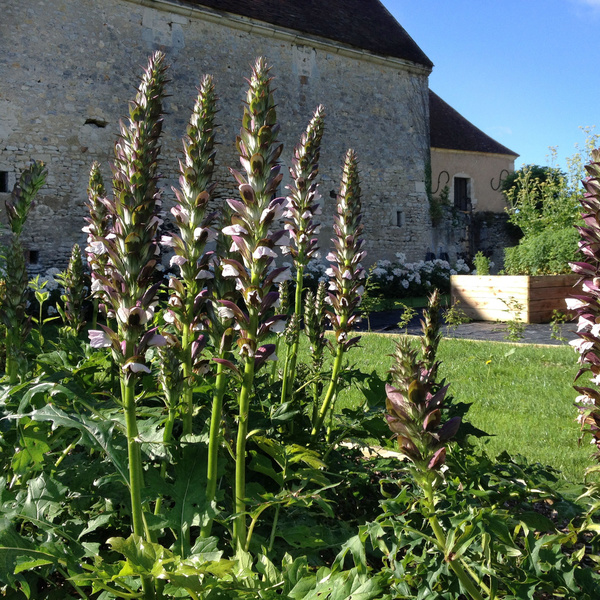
[{"x": 534, "y": 333}]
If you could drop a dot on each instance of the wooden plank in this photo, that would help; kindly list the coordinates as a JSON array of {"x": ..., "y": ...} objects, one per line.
[
  {"x": 553, "y": 281},
  {"x": 485, "y": 298}
]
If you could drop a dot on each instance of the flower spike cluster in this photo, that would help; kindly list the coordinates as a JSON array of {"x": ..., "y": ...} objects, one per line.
[
  {"x": 187, "y": 293},
  {"x": 131, "y": 245},
  {"x": 12, "y": 309},
  {"x": 98, "y": 227},
  {"x": 346, "y": 272},
  {"x": 21, "y": 200},
  {"x": 346, "y": 276},
  {"x": 254, "y": 216},
  {"x": 415, "y": 402},
  {"x": 74, "y": 284},
  {"x": 586, "y": 305},
  {"x": 302, "y": 203}
]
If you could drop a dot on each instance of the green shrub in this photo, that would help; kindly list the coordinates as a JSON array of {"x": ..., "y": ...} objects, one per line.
[{"x": 545, "y": 253}]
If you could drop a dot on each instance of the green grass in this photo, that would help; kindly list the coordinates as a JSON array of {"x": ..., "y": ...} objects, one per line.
[{"x": 520, "y": 394}]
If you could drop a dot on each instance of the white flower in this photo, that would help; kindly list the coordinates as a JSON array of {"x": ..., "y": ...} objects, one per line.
[
  {"x": 177, "y": 260},
  {"x": 99, "y": 339},
  {"x": 574, "y": 303},
  {"x": 230, "y": 271},
  {"x": 124, "y": 314},
  {"x": 167, "y": 240},
  {"x": 96, "y": 285},
  {"x": 234, "y": 230},
  {"x": 157, "y": 340},
  {"x": 135, "y": 367},
  {"x": 97, "y": 248},
  {"x": 225, "y": 313},
  {"x": 581, "y": 345},
  {"x": 584, "y": 399},
  {"x": 204, "y": 274},
  {"x": 263, "y": 251},
  {"x": 277, "y": 326},
  {"x": 283, "y": 276}
]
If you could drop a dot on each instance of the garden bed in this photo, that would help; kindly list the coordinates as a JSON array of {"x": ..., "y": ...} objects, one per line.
[{"x": 530, "y": 299}]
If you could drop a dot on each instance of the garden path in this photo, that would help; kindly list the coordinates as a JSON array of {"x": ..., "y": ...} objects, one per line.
[{"x": 533, "y": 333}]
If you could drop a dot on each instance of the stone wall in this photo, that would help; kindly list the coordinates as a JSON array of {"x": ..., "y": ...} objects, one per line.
[
  {"x": 70, "y": 66},
  {"x": 462, "y": 235}
]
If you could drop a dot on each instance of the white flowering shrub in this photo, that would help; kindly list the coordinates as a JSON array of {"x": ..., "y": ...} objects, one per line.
[{"x": 400, "y": 279}]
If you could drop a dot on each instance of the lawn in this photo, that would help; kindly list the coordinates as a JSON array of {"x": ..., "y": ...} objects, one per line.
[{"x": 521, "y": 395}]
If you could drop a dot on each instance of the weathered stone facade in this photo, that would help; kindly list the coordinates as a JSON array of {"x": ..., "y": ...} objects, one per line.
[{"x": 70, "y": 66}]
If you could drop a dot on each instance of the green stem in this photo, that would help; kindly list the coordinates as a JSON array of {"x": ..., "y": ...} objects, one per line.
[
  {"x": 289, "y": 373},
  {"x": 214, "y": 443},
  {"x": 239, "y": 524},
  {"x": 274, "y": 528},
  {"x": 188, "y": 392},
  {"x": 462, "y": 575},
  {"x": 136, "y": 480},
  {"x": 167, "y": 439},
  {"x": 12, "y": 370},
  {"x": 331, "y": 391},
  {"x": 64, "y": 453}
]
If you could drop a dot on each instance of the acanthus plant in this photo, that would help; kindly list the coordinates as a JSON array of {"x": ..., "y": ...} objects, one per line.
[
  {"x": 586, "y": 304},
  {"x": 99, "y": 224},
  {"x": 188, "y": 293},
  {"x": 415, "y": 415},
  {"x": 253, "y": 218},
  {"x": 347, "y": 275},
  {"x": 301, "y": 210},
  {"x": 14, "y": 299},
  {"x": 315, "y": 322},
  {"x": 74, "y": 284},
  {"x": 128, "y": 282}
]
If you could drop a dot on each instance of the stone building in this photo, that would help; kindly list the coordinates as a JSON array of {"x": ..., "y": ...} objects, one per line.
[
  {"x": 70, "y": 66},
  {"x": 468, "y": 166}
]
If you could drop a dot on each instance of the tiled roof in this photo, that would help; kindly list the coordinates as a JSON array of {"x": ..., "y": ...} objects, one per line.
[
  {"x": 364, "y": 24},
  {"x": 451, "y": 131}
]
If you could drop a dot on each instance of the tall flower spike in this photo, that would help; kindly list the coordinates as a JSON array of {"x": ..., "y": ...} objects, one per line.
[
  {"x": 188, "y": 294},
  {"x": 302, "y": 202},
  {"x": 98, "y": 226},
  {"x": 415, "y": 400},
  {"x": 431, "y": 334},
  {"x": 300, "y": 223},
  {"x": 253, "y": 218},
  {"x": 346, "y": 275},
  {"x": 131, "y": 245},
  {"x": 73, "y": 282},
  {"x": 14, "y": 300},
  {"x": 586, "y": 305},
  {"x": 20, "y": 202},
  {"x": 132, "y": 250}
]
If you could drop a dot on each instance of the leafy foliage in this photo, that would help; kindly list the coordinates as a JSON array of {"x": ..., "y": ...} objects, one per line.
[{"x": 129, "y": 475}]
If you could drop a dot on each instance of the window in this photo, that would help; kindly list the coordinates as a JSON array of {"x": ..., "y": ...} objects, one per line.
[
  {"x": 34, "y": 257},
  {"x": 462, "y": 199},
  {"x": 4, "y": 182},
  {"x": 399, "y": 218}
]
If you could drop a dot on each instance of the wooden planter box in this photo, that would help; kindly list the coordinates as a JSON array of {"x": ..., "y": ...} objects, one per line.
[{"x": 488, "y": 297}]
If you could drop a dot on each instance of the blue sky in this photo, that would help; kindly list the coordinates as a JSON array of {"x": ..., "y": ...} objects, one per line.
[{"x": 526, "y": 72}]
